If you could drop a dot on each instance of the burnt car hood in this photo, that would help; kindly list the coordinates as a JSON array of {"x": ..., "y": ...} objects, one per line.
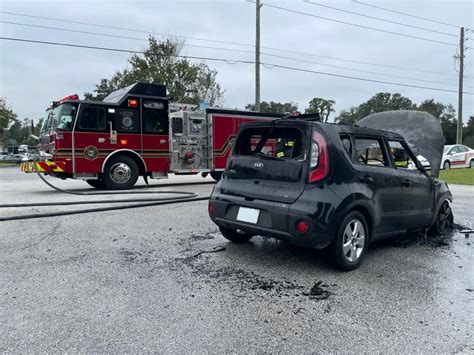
[{"x": 421, "y": 130}]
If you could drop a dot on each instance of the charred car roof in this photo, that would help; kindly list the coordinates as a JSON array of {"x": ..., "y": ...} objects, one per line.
[{"x": 340, "y": 128}]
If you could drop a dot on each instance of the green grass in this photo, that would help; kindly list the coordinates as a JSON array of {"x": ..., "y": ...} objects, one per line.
[
  {"x": 458, "y": 176},
  {"x": 9, "y": 164}
]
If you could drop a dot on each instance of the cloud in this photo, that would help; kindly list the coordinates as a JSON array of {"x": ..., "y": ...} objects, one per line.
[{"x": 32, "y": 75}]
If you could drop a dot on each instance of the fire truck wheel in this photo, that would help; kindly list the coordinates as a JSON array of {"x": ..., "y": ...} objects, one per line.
[
  {"x": 120, "y": 173},
  {"x": 98, "y": 184},
  {"x": 216, "y": 175}
]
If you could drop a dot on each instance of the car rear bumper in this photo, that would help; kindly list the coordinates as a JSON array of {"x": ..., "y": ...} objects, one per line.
[{"x": 276, "y": 220}]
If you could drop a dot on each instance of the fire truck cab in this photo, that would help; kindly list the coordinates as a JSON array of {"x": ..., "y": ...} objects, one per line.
[{"x": 133, "y": 133}]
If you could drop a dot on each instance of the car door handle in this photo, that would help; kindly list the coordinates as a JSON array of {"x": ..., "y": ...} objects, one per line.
[
  {"x": 367, "y": 180},
  {"x": 407, "y": 183}
]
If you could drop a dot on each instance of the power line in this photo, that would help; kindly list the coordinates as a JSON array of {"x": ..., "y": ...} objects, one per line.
[
  {"x": 210, "y": 40},
  {"x": 125, "y": 29},
  {"x": 365, "y": 71},
  {"x": 358, "y": 78},
  {"x": 229, "y": 61},
  {"x": 361, "y": 62},
  {"x": 70, "y": 30},
  {"x": 115, "y": 36},
  {"x": 382, "y": 19},
  {"x": 405, "y": 14},
  {"x": 358, "y": 25},
  {"x": 226, "y": 49}
]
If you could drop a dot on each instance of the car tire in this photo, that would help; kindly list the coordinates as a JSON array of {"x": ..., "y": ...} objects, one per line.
[
  {"x": 350, "y": 243},
  {"x": 471, "y": 164},
  {"x": 98, "y": 184},
  {"x": 444, "y": 220},
  {"x": 235, "y": 235},
  {"x": 120, "y": 173},
  {"x": 446, "y": 165},
  {"x": 216, "y": 175}
]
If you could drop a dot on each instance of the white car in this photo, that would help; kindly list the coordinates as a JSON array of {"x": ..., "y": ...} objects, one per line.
[
  {"x": 423, "y": 161},
  {"x": 457, "y": 156}
]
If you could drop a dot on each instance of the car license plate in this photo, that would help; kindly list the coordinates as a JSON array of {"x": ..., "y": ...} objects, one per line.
[{"x": 248, "y": 215}]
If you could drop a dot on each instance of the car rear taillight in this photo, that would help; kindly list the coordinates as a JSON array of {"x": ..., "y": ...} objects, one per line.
[
  {"x": 319, "y": 159},
  {"x": 211, "y": 209},
  {"x": 302, "y": 227}
]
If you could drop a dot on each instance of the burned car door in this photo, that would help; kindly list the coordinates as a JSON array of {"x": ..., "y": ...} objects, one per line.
[
  {"x": 416, "y": 186},
  {"x": 379, "y": 182}
]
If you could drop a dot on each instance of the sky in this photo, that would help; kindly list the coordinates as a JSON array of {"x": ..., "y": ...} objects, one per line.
[{"x": 32, "y": 75}]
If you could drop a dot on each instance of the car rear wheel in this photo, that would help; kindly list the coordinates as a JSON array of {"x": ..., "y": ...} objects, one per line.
[
  {"x": 351, "y": 241},
  {"x": 235, "y": 235},
  {"x": 444, "y": 220},
  {"x": 446, "y": 165},
  {"x": 120, "y": 173},
  {"x": 98, "y": 184}
]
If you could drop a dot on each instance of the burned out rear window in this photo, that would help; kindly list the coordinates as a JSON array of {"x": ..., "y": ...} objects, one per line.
[{"x": 278, "y": 142}]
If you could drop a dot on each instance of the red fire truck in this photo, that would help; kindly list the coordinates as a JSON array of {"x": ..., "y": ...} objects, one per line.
[{"x": 132, "y": 133}]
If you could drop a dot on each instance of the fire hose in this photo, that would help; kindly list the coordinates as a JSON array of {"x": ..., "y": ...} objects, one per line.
[{"x": 186, "y": 196}]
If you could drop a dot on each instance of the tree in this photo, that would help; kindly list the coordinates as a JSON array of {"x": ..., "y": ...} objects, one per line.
[
  {"x": 13, "y": 129},
  {"x": 274, "y": 107},
  {"x": 382, "y": 101},
  {"x": 19, "y": 131},
  {"x": 7, "y": 117},
  {"x": 446, "y": 114},
  {"x": 468, "y": 133},
  {"x": 160, "y": 64},
  {"x": 33, "y": 129},
  {"x": 322, "y": 106}
]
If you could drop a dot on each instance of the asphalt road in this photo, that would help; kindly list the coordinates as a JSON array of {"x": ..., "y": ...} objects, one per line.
[{"x": 163, "y": 279}]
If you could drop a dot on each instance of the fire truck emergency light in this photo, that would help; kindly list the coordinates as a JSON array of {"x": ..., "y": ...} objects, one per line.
[
  {"x": 70, "y": 97},
  {"x": 132, "y": 103}
]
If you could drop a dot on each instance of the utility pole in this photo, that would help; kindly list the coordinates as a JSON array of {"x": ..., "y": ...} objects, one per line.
[
  {"x": 257, "y": 56},
  {"x": 461, "y": 74}
]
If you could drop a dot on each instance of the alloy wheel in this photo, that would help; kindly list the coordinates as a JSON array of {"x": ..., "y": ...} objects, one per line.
[
  {"x": 445, "y": 218},
  {"x": 353, "y": 240}
]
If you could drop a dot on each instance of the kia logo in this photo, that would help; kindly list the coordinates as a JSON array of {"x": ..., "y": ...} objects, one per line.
[{"x": 258, "y": 165}]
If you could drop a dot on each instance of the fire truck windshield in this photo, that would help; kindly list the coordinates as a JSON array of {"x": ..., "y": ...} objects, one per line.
[{"x": 61, "y": 117}]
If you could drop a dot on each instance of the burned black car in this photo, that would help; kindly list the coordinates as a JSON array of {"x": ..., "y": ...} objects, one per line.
[{"x": 324, "y": 185}]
